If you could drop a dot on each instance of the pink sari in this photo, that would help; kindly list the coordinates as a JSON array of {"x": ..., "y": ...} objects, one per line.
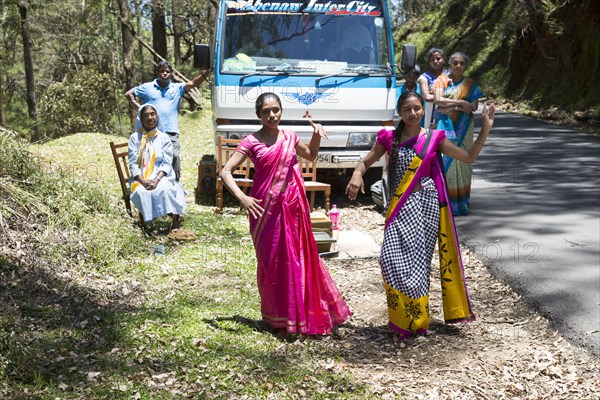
[{"x": 296, "y": 290}]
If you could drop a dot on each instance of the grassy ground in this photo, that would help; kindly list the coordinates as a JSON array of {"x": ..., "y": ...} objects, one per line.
[
  {"x": 88, "y": 311},
  {"x": 183, "y": 324}
]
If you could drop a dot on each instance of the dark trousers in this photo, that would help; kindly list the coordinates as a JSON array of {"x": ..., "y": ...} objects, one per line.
[{"x": 176, "y": 150}]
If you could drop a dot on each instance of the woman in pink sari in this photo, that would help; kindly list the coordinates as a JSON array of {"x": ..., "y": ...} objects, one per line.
[{"x": 297, "y": 292}]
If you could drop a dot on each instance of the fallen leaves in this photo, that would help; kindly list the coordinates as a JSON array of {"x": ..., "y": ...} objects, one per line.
[
  {"x": 92, "y": 376},
  {"x": 510, "y": 352}
]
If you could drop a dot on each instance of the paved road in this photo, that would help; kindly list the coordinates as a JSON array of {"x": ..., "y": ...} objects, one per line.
[{"x": 535, "y": 219}]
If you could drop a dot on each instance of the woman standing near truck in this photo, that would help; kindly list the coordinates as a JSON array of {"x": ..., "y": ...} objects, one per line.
[
  {"x": 417, "y": 216},
  {"x": 436, "y": 59},
  {"x": 456, "y": 99},
  {"x": 296, "y": 290}
]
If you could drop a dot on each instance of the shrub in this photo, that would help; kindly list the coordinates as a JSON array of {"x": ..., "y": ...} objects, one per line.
[
  {"x": 82, "y": 104},
  {"x": 85, "y": 215},
  {"x": 16, "y": 159},
  {"x": 595, "y": 113}
]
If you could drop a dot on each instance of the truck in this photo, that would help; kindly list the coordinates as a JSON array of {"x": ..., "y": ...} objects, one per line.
[{"x": 328, "y": 60}]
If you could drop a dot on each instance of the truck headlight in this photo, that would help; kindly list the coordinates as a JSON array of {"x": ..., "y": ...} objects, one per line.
[{"x": 364, "y": 140}]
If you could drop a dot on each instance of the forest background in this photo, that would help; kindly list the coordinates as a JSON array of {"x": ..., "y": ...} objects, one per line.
[{"x": 64, "y": 65}]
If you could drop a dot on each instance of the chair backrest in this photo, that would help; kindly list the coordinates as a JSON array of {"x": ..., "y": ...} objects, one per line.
[
  {"x": 120, "y": 155},
  {"x": 119, "y": 152},
  {"x": 226, "y": 149},
  {"x": 308, "y": 168}
]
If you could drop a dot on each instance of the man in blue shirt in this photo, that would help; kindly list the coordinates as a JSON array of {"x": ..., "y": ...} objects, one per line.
[
  {"x": 410, "y": 80},
  {"x": 166, "y": 96}
]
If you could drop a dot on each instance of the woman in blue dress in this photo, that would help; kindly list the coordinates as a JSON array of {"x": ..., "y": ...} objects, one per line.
[
  {"x": 456, "y": 98},
  {"x": 154, "y": 190}
]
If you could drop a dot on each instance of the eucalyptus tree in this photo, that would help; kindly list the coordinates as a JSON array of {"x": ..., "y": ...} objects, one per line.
[
  {"x": 28, "y": 62},
  {"x": 127, "y": 39},
  {"x": 159, "y": 29},
  {"x": 191, "y": 21}
]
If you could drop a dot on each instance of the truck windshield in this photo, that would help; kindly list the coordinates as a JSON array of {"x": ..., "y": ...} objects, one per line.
[{"x": 313, "y": 36}]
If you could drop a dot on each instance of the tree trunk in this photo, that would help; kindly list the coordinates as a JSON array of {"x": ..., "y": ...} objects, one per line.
[
  {"x": 128, "y": 47},
  {"x": 536, "y": 24},
  {"x": 159, "y": 31},
  {"x": 178, "y": 28},
  {"x": 2, "y": 122},
  {"x": 138, "y": 5},
  {"x": 29, "y": 75}
]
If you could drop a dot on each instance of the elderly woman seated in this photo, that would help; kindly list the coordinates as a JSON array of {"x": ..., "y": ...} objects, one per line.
[{"x": 154, "y": 190}]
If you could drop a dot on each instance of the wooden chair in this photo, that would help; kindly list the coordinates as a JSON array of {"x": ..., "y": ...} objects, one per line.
[
  {"x": 241, "y": 176},
  {"x": 122, "y": 164},
  {"x": 120, "y": 155},
  {"x": 309, "y": 172}
]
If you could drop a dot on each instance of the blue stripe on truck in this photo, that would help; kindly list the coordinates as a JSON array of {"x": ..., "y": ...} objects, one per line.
[{"x": 298, "y": 81}]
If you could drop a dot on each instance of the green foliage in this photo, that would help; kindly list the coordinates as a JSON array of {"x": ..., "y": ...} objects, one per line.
[
  {"x": 68, "y": 39},
  {"x": 16, "y": 159},
  {"x": 543, "y": 52},
  {"x": 84, "y": 209},
  {"x": 479, "y": 29},
  {"x": 66, "y": 202},
  {"x": 15, "y": 173},
  {"x": 81, "y": 104}
]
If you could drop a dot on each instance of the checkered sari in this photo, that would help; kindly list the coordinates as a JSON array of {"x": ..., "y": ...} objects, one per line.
[
  {"x": 409, "y": 240},
  {"x": 414, "y": 221}
]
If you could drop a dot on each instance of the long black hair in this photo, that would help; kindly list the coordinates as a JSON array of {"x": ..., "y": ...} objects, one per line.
[
  {"x": 434, "y": 50},
  {"x": 392, "y": 169}
]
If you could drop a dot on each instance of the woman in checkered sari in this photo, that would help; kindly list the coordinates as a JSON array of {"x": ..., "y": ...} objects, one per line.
[{"x": 418, "y": 214}]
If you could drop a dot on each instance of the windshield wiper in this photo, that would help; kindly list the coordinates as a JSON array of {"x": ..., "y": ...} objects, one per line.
[
  {"x": 288, "y": 68},
  {"x": 367, "y": 70},
  {"x": 361, "y": 70},
  {"x": 281, "y": 69},
  {"x": 343, "y": 71},
  {"x": 250, "y": 74}
]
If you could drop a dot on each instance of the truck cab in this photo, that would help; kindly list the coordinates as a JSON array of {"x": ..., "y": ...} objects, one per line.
[{"x": 330, "y": 61}]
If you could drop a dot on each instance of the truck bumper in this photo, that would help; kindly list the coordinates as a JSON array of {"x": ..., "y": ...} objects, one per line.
[{"x": 333, "y": 153}]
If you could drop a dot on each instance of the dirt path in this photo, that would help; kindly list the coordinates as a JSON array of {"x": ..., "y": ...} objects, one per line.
[{"x": 510, "y": 352}]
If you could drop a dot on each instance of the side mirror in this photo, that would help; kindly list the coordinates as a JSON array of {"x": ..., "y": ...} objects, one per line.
[
  {"x": 409, "y": 57},
  {"x": 202, "y": 56}
]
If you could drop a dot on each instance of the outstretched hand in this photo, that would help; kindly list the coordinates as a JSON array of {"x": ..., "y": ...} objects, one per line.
[
  {"x": 487, "y": 115},
  {"x": 318, "y": 129},
  {"x": 356, "y": 183}
]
